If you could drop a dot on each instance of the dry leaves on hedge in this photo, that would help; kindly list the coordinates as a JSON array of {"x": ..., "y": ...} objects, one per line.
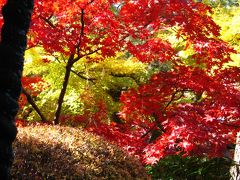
[{"x": 56, "y": 152}]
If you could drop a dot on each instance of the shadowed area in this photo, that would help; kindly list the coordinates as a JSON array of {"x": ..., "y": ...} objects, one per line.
[{"x": 55, "y": 152}]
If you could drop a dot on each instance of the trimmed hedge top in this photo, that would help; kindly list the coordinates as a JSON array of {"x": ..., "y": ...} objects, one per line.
[{"x": 57, "y": 152}]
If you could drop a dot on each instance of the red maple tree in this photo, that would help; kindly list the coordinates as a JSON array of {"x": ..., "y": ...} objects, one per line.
[{"x": 193, "y": 107}]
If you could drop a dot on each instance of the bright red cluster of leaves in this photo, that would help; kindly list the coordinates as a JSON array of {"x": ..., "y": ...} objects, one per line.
[
  {"x": 75, "y": 27},
  {"x": 203, "y": 125},
  {"x": 33, "y": 85},
  {"x": 82, "y": 27}
]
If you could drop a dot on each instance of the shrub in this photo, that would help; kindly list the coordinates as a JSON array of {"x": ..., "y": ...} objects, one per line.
[
  {"x": 178, "y": 167},
  {"x": 55, "y": 152}
]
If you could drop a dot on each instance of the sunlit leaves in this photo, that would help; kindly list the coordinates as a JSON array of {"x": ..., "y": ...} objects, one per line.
[{"x": 186, "y": 126}]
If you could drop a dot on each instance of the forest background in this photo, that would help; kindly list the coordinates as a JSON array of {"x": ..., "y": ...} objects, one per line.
[{"x": 158, "y": 78}]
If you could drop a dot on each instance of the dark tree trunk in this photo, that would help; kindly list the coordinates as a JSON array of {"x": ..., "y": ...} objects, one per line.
[
  {"x": 17, "y": 15},
  {"x": 64, "y": 89}
]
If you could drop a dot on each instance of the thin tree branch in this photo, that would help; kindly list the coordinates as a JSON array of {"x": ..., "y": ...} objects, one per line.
[
  {"x": 173, "y": 98},
  {"x": 83, "y": 77},
  {"x": 34, "y": 105},
  {"x": 47, "y": 20},
  {"x": 81, "y": 32},
  {"x": 231, "y": 125},
  {"x": 84, "y": 55},
  {"x": 157, "y": 124}
]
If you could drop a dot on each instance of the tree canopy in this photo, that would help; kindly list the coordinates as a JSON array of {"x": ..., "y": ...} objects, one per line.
[{"x": 184, "y": 101}]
